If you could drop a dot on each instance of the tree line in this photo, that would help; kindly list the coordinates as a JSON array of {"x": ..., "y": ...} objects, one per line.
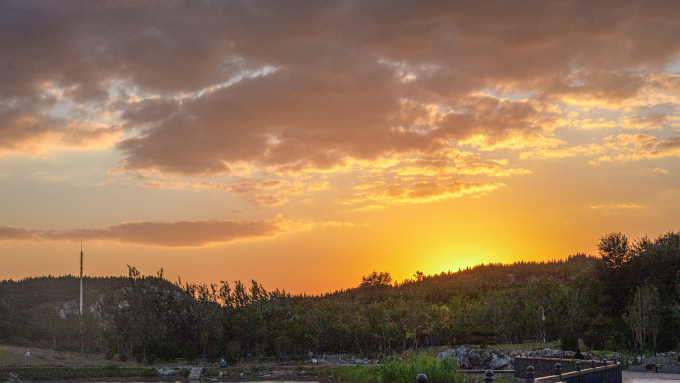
[{"x": 626, "y": 298}]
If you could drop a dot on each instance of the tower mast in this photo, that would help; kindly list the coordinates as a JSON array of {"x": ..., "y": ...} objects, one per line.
[{"x": 81, "y": 277}]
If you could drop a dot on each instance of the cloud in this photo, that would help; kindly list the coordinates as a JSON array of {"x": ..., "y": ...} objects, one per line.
[
  {"x": 622, "y": 140},
  {"x": 27, "y": 132},
  {"x": 316, "y": 186},
  {"x": 447, "y": 163},
  {"x": 211, "y": 85},
  {"x": 617, "y": 206},
  {"x": 644, "y": 146},
  {"x": 563, "y": 152},
  {"x": 621, "y": 91},
  {"x": 334, "y": 223},
  {"x": 174, "y": 234},
  {"x": 371, "y": 208},
  {"x": 590, "y": 124},
  {"x": 245, "y": 190},
  {"x": 664, "y": 148},
  {"x": 371, "y": 185},
  {"x": 421, "y": 192},
  {"x": 653, "y": 121},
  {"x": 16, "y": 233}
]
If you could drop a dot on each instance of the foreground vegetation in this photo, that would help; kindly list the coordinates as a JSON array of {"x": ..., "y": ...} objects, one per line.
[
  {"x": 397, "y": 371},
  {"x": 628, "y": 298}
]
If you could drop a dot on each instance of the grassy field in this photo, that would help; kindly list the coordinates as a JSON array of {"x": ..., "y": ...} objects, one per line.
[{"x": 12, "y": 356}]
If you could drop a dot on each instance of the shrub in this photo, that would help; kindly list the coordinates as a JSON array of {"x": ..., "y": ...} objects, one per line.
[{"x": 569, "y": 342}]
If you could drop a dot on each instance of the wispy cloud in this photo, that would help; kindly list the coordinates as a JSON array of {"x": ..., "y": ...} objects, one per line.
[
  {"x": 641, "y": 146},
  {"x": 563, "y": 152},
  {"x": 164, "y": 234},
  {"x": 617, "y": 206},
  {"x": 420, "y": 192},
  {"x": 653, "y": 121}
]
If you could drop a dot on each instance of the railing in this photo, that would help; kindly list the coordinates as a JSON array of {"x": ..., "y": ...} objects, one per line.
[
  {"x": 606, "y": 372},
  {"x": 546, "y": 366},
  {"x": 567, "y": 370}
]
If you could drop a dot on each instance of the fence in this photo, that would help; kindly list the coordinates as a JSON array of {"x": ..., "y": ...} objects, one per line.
[
  {"x": 566, "y": 370},
  {"x": 603, "y": 373}
]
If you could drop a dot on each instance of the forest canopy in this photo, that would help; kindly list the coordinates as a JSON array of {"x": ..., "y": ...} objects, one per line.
[{"x": 627, "y": 297}]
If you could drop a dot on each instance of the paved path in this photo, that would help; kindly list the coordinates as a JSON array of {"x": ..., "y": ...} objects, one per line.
[
  {"x": 649, "y": 377},
  {"x": 334, "y": 360}
]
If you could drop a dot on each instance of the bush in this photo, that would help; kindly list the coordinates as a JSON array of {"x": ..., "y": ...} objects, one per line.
[{"x": 569, "y": 342}]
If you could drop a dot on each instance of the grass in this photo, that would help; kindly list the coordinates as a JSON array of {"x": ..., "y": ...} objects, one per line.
[
  {"x": 355, "y": 374},
  {"x": 398, "y": 371},
  {"x": 405, "y": 371},
  {"x": 212, "y": 372},
  {"x": 13, "y": 356},
  {"x": 66, "y": 365},
  {"x": 69, "y": 373}
]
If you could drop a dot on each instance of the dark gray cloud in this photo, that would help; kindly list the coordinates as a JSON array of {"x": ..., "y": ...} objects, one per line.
[{"x": 314, "y": 85}]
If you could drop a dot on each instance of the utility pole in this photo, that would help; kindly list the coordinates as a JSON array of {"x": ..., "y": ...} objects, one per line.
[
  {"x": 82, "y": 333},
  {"x": 81, "y": 277},
  {"x": 543, "y": 318}
]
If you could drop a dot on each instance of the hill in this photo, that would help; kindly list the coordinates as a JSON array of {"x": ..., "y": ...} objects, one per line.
[{"x": 628, "y": 298}]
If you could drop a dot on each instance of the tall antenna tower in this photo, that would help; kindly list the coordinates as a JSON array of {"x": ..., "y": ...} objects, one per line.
[{"x": 81, "y": 277}]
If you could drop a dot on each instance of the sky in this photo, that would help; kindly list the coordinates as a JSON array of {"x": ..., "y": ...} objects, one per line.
[{"x": 306, "y": 144}]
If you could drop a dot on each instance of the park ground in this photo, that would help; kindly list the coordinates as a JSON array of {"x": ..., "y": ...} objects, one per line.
[{"x": 13, "y": 357}]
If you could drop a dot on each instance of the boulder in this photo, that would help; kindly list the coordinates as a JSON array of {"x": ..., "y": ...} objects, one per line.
[
  {"x": 499, "y": 362},
  {"x": 486, "y": 357},
  {"x": 476, "y": 361},
  {"x": 460, "y": 354}
]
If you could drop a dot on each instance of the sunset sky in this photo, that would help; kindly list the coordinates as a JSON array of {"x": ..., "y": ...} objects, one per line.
[{"x": 305, "y": 144}]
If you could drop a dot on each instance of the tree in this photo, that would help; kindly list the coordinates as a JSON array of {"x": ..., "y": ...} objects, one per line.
[
  {"x": 615, "y": 250},
  {"x": 376, "y": 279},
  {"x": 643, "y": 315}
]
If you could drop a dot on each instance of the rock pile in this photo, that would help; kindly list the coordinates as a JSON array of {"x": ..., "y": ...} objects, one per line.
[
  {"x": 504, "y": 360},
  {"x": 479, "y": 359}
]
